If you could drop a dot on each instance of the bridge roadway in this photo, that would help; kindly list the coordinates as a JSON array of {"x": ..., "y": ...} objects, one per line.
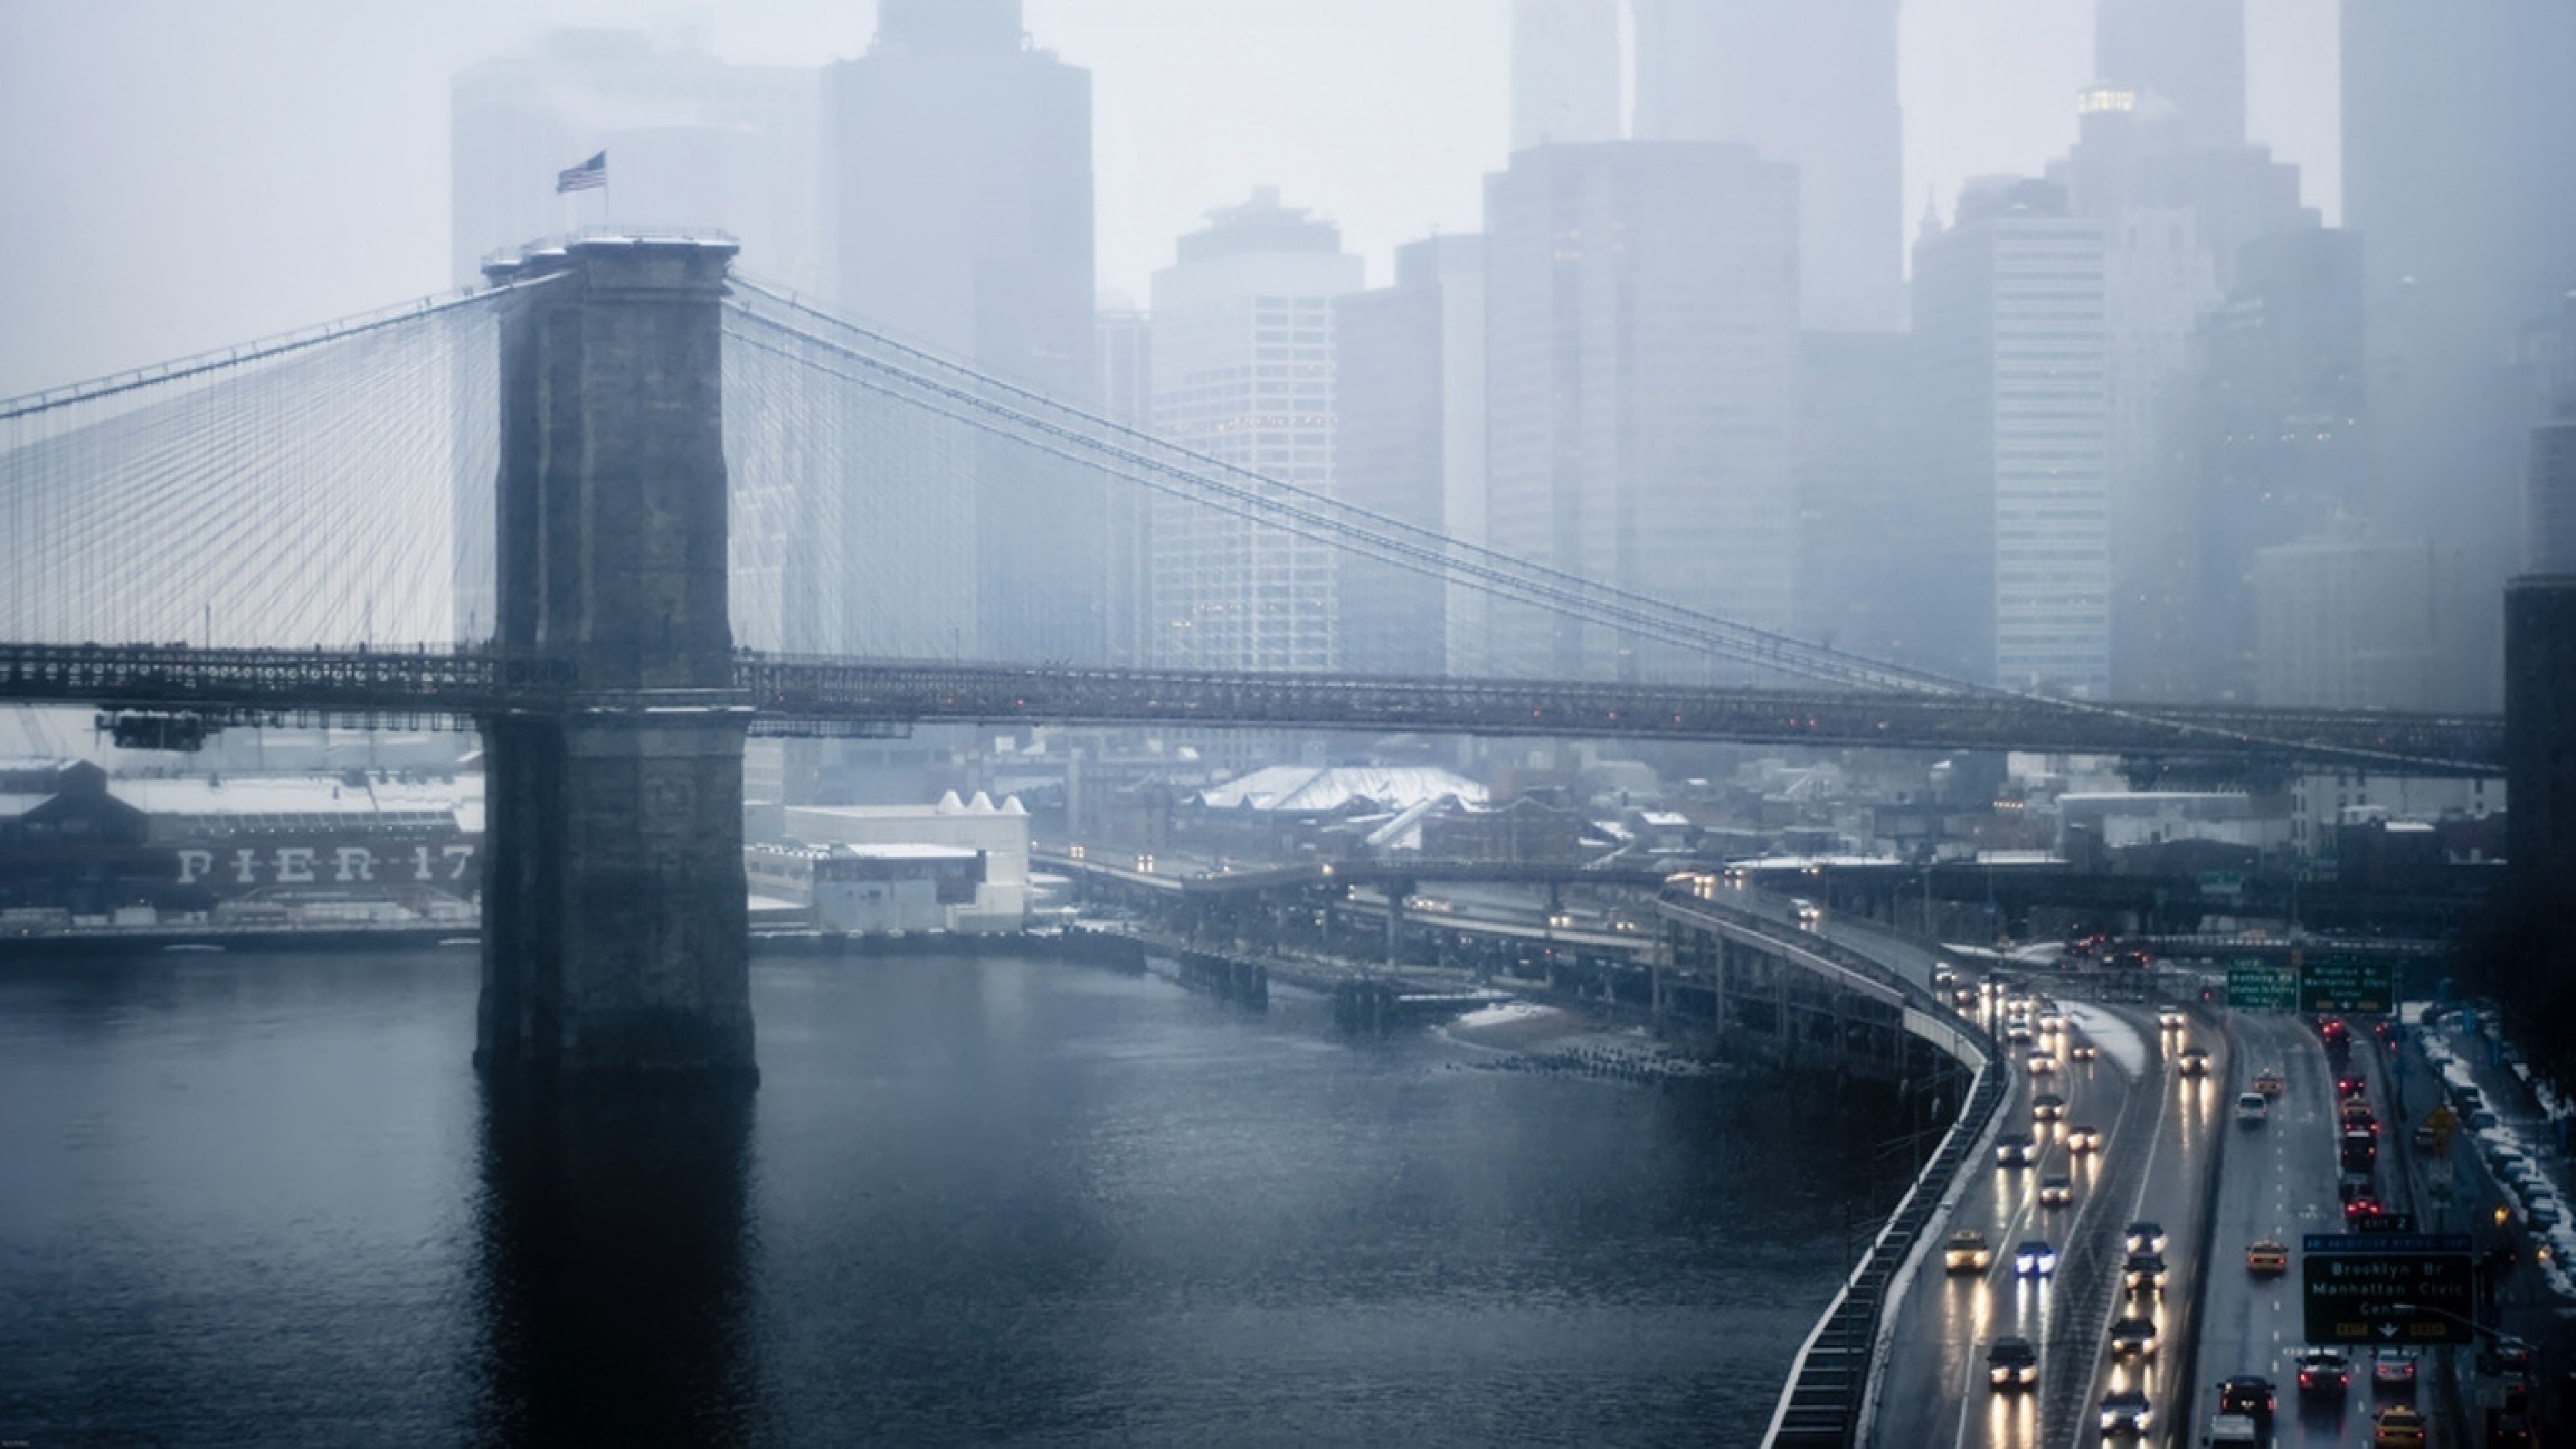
[{"x": 824, "y": 696}]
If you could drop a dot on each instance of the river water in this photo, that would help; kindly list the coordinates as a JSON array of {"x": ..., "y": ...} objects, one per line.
[{"x": 263, "y": 1199}]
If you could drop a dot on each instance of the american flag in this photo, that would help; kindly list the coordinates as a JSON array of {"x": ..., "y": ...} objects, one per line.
[{"x": 590, "y": 173}]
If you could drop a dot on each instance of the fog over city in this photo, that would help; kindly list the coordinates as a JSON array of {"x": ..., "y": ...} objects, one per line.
[
  {"x": 301, "y": 146},
  {"x": 1298, "y": 722}
]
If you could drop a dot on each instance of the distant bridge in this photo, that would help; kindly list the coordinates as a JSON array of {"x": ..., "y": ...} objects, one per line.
[{"x": 804, "y": 696}]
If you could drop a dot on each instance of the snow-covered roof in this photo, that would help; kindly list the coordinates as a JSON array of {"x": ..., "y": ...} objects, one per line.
[
  {"x": 1312, "y": 790},
  {"x": 13, "y": 806}
]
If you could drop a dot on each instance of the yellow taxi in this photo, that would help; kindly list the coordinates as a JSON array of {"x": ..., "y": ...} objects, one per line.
[
  {"x": 2266, "y": 1257},
  {"x": 1967, "y": 1252},
  {"x": 2398, "y": 1427}
]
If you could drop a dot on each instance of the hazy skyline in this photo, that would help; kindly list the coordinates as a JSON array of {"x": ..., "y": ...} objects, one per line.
[{"x": 183, "y": 177}]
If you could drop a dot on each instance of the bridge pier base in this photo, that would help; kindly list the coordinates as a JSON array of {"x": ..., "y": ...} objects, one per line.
[{"x": 616, "y": 912}]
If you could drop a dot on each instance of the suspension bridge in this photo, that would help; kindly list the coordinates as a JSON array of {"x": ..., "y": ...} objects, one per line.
[{"x": 620, "y": 508}]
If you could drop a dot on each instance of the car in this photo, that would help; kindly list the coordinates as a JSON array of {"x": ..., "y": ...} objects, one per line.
[
  {"x": 2364, "y": 1206},
  {"x": 1810, "y": 915},
  {"x": 1967, "y": 1252},
  {"x": 2253, "y": 1109},
  {"x": 2012, "y": 1365},
  {"x": 2323, "y": 1371},
  {"x": 2250, "y": 1395},
  {"x": 2143, "y": 1273},
  {"x": 2055, "y": 1190},
  {"x": 2351, "y": 1085},
  {"x": 2126, "y": 1415},
  {"x": 2169, "y": 1017},
  {"x": 2356, "y": 1115},
  {"x": 2397, "y": 1427},
  {"x": 2042, "y": 1064},
  {"x": 2195, "y": 1061},
  {"x": 2017, "y": 1034},
  {"x": 2082, "y": 1051},
  {"x": 2507, "y": 1429},
  {"x": 2034, "y": 1259},
  {"x": 2333, "y": 1030},
  {"x": 2047, "y": 1107},
  {"x": 2052, "y": 1022},
  {"x": 2143, "y": 1236},
  {"x": 2270, "y": 1082},
  {"x": 2392, "y": 1370},
  {"x": 2012, "y": 1149},
  {"x": 2356, "y": 1184},
  {"x": 2133, "y": 1337},
  {"x": 2083, "y": 1137},
  {"x": 2267, "y": 1256}
]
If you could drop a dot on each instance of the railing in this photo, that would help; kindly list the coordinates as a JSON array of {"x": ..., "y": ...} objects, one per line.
[
  {"x": 795, "y": 695},
  {"x": 1825, "y": 1403}
]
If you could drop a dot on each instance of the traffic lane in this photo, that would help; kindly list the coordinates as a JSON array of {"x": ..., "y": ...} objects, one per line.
[
  {"x": 1934, "y": 1389},
  {"x": 2279, "y": 1184},
  {"x": 2169, "y": 1194}
]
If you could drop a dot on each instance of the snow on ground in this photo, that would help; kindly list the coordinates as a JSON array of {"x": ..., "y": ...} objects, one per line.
[
  {"x": 2118, "y": 1040},
  {"x": 1501, "y": 1013}
]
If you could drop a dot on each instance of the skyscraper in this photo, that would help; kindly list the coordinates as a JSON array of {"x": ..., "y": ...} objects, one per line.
[
  {"x": 2009, "y": 330},
  {"x": 1565, "y": 72},
  {"x": 1641, "y": 341},
  {"x": 1409, "y": 389},
  {"x": 691, "y": 142},
  {"x": 958, "y": 171},
  {"x": 2459, "y": 133},
  {"x": 1243, "y": 370},
  {"x": 2182, "y": 58},
  {"x": 1811, "y": 83}
]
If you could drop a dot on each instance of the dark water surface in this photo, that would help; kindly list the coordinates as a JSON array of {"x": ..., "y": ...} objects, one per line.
[{"x": 263, "y": 1199}]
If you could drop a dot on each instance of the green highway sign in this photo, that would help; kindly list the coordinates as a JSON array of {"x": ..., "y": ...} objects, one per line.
[
  {"x": 2222, "y": 883},
  {"x": 2337, "y": 982},
  {"x": 2254, "y": 984},
  {"x": 2387, "y": 1288}
]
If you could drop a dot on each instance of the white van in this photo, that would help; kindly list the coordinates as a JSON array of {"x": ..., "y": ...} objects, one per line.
[{"x": 2253, "y": 1109}]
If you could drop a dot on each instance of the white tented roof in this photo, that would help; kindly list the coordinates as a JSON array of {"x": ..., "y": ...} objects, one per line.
[{"x": 1314, "y": 790}]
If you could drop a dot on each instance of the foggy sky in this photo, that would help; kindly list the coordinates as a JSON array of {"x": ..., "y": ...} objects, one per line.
[{"x": 178, "y": 175}]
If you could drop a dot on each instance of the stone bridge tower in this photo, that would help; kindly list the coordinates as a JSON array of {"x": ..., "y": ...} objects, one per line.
[{"x": 615, "y": 916}]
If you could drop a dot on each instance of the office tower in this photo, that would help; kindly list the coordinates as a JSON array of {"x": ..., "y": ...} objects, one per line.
[
  {"x": 2350, "y": 623},
  {"x": 1861, "y": 572},
  {"x": 1641, "y": 341},
  {"x": 2182, "y": 58},
  {"x": 1126, "y": 335},
  {"x": 691, "y": 142},
  {"x": 1565, "y": 72},
  {"x": 1410, "y": 391},
  {"x": 1243, "y": 370},
  {"x": 1813, "y": 84},
  {"x": 2013, "y": 414},
  {"x": 2179, "y": 206},
  {"x": 2459, "y": 134},
  {"x": 2281, "y": 426},
  {"x": 958, "y": 178}
]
